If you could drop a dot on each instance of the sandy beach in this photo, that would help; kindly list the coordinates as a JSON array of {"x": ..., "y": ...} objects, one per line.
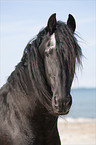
[{"x": 77, "y": 131}]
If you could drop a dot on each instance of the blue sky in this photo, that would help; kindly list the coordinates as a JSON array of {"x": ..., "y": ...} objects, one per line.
[{"x": 22, "y": 20}]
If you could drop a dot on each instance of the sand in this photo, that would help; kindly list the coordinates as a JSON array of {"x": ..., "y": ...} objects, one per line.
[{"x": 77, "y": 131}]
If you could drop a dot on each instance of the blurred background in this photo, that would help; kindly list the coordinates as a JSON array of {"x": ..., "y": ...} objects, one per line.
[{"x": 22, "y": 20}]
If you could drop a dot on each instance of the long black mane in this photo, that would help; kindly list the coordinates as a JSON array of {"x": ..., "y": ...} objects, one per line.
[
  {"x": 32, "y": 64},
  {"x": 68, "y": 50}
]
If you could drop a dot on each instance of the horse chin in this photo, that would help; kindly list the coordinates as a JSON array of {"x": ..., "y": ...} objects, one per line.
[
  {"x": 64, "y": 113},
  {"x": 57, "y": 113}
]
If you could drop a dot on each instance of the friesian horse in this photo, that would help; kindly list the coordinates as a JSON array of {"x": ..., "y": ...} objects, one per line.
[{"x": 38, "y": 90}]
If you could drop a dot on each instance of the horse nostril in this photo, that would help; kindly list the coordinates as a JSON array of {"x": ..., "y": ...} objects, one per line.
[{"x": 68, "y": 101}]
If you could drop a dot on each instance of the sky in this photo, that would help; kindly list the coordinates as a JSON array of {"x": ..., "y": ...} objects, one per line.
[{"x": 22, "y": 20}]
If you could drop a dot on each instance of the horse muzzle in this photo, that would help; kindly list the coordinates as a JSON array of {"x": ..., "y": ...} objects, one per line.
[{"x": 61, "y": 106}]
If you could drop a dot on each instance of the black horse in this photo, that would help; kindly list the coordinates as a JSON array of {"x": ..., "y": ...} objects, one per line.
[{"x": 38, "y": 90}]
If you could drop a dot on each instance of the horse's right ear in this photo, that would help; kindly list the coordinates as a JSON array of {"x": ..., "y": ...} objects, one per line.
[{"x": 51, "y": 25}]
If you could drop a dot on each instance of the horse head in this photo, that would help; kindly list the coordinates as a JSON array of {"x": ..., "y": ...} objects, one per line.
[{"x": 60, "y": 52}]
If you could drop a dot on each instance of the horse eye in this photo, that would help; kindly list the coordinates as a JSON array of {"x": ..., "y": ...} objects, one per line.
[{"x": 46, "y": 53}]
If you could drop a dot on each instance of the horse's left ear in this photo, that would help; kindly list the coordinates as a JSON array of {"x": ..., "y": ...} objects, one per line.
[
  {"x": 51, "y": 26},
  {"x": 71, "y": 23}
]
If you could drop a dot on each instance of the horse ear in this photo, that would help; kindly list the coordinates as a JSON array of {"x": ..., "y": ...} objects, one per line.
[
  {"x": 51, "y": 24},
  {"x": 71, "y": 23}
]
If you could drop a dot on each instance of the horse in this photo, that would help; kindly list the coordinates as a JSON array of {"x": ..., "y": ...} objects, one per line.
[{"x": 38, "y": 90}]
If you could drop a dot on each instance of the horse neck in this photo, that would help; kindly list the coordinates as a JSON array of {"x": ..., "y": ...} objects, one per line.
[
  {"x": 44, "y": 122},
  {"x": 20, "y": 88}
]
